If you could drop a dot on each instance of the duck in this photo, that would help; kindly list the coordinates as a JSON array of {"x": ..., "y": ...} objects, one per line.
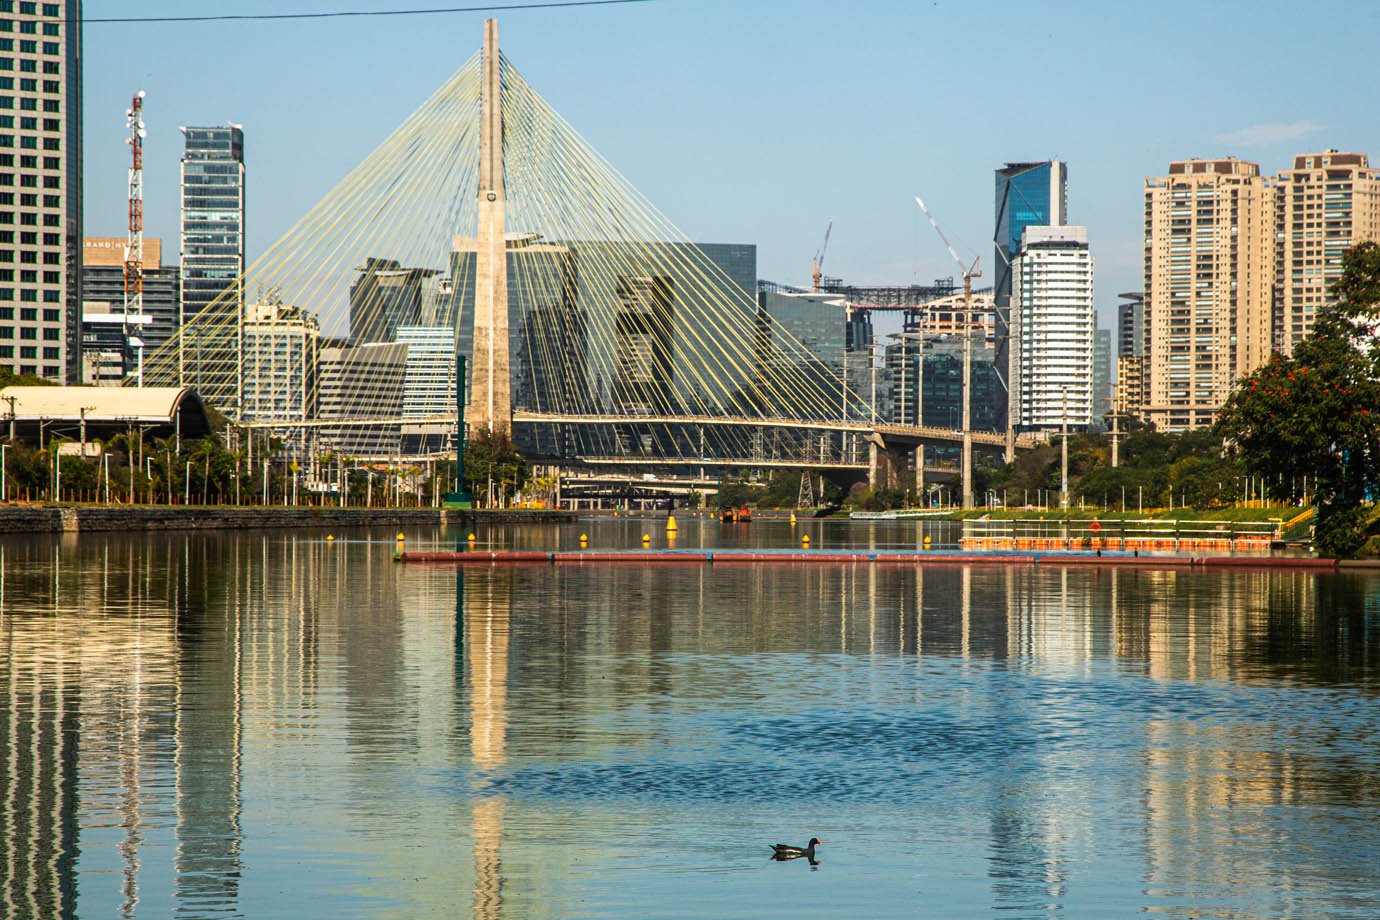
[{"x": 786, "y": 851}]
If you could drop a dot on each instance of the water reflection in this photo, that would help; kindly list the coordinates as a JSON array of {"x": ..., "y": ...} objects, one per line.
[
  {"x": 186, "y": 721},
  {"x": 486, "y": 610}
]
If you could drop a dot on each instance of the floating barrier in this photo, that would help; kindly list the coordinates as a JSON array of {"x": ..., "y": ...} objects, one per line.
[{"x": 862, "y": 557}]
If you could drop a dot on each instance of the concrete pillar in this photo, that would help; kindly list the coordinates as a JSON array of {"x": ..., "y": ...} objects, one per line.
[
  {"x": 491, "y": 401},
  {"x": 871, "y": 464},
  {"x": 920, "y": 473}
]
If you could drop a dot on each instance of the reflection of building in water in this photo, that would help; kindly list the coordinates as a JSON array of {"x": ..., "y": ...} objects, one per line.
[
  {"x": 88, "y": 704},
  {"x": 486, "y": 615},
  {"x": 38, "y": 781},
  {"x": 1216, "y": 788}
]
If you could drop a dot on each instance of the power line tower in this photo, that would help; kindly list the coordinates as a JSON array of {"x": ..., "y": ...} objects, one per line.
[
  {"x": 805, "y": 498},
  {"x": 134, "y": 245}
]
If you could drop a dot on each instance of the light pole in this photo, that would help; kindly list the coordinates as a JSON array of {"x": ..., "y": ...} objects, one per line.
[
  {"x": 84, "y": 410},
  {"x": 1064, "y": 456},
  {"x": 187, "y": 484},
  {"x": 4, "y": 474},
  {"x": 10, "y": 400}
]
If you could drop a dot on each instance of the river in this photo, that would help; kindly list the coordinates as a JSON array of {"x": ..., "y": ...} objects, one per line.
[{"x": 271, "y": 725}]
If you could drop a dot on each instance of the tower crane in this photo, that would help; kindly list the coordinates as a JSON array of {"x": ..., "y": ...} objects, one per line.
[
  {"x": 969, "y": 273},
  {"x": 818, "y": 265}
]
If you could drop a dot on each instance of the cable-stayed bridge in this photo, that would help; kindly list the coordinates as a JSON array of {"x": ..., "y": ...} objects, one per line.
[{"x": 485, "y": 226}]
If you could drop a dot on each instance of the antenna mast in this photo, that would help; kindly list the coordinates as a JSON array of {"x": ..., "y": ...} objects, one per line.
[{"x": 134, "y": 245}]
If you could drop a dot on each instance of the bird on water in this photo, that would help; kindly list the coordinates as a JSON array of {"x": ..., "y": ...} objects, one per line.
[{"x": 785, "y": 851}]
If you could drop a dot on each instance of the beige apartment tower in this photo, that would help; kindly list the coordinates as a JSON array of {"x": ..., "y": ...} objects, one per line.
[
  {"x": 1327, "y": 203},
  {"x": 1209, "y": 279}
]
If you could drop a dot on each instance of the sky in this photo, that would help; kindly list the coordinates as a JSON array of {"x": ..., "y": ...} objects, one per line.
[{"x": 758, "y": 121}]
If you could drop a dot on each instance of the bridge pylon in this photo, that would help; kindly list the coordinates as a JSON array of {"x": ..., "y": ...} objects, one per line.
[{"x": 491, "y": 397}]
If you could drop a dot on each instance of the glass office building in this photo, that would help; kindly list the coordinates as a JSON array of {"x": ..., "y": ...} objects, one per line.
[
  {"x": 213, "y": 262},
  {"x": 212, "y": 216},
  {"x": 1027, "y": 195}
]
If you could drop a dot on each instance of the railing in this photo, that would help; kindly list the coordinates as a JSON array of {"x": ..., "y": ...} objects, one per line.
[{"x": 1155, "y": 535}]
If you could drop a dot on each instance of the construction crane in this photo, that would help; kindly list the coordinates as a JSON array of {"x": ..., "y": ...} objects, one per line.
[
  {"x": 818, "y": 265},
  {"x": 969, "y": 273}
]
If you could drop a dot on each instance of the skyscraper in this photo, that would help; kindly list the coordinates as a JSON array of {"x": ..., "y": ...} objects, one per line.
[
  {"x": 1028, "y": 194},
  {"x": 1209, "y": 277},
  {"x": 1130, "y": 354},
  {"x": 212, "y": 216},
  {"x": 1052, "y": 322},
  {"x": 213, "y": 263},
  {"x": 40, "y": 189},
  {"x": 1327, "y": 203}
]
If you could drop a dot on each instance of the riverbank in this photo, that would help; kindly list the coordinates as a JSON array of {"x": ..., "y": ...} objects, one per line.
[{"x": 97, "y": 518}]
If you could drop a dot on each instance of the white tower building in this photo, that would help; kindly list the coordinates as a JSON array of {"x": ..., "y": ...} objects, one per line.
[{"x": 1052, "y": 329}]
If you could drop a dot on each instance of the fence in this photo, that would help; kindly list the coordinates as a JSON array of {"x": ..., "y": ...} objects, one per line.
[{"x": 1145, "y": 536}]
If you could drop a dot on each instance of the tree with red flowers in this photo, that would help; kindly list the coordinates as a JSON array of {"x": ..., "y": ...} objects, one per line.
[{"x": 1316, "y": 413}]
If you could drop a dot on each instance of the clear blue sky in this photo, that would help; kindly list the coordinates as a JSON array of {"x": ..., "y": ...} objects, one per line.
[{"x": 758, "y": 121}]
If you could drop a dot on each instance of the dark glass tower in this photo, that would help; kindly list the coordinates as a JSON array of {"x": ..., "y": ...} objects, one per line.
[
  {"x": 212, "y": 216},
  {"x": 1028, "y": 195}
]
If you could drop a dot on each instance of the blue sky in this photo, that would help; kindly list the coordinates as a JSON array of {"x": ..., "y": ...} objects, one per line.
[{"x": 759, "y": 120}]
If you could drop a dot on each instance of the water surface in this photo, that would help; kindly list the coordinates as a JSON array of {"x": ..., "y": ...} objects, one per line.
[{"x": 272, "y": 725}]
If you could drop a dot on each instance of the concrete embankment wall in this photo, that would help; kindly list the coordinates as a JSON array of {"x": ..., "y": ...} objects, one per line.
[{"x": 66, "y": 518}]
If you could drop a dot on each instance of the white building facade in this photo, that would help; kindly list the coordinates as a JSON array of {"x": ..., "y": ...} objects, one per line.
[{"x": 1053, "y": 322}]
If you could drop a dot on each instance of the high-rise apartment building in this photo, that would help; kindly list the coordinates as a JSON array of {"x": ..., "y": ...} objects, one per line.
[
  {"x": 280, "y": 361},
  {"x": 1209, "y": 277},
  {"x": 40, "y": 189},
  {"x": 1327, "y": 203},
  {"x": 1027, "y": 195},
  {"x": 1130, "y": 351},
  {"x": 1052, "y": 323}
]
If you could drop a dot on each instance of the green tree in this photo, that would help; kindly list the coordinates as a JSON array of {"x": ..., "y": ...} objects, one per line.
[
  {"x": 492, "y": 458},
  {"x": 1314, "y": 413}
]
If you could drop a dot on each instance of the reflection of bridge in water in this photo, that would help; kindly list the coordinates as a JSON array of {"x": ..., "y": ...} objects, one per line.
[{"x": 486, "y": 227}]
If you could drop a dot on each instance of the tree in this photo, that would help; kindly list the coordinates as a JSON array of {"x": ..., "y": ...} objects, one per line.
[
  {"x": 1314, "y": 413},
  {"x": 492, "y": 458}
]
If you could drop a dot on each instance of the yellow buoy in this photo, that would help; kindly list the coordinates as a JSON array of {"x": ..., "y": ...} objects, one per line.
[
  {"x": 646, "y": 538},
  {"x": 927, "y": 542},
  {"x": 805, "y": 541},
  {"x": 792, "y": 518},
  {"x": 470, "y": 538},
  {"x": 330, "y": 537},
  {"x": 584, "y": 539},
  {"x": 671, "y": 523}
]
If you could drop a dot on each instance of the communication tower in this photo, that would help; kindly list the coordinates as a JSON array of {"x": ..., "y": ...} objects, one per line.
[{"x": 134, "y": 245}]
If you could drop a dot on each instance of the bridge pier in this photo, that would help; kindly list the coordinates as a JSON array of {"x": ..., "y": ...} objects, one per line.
[
  {"x": 872, "y": 464},
  {"x": 920, "y": 473}
]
